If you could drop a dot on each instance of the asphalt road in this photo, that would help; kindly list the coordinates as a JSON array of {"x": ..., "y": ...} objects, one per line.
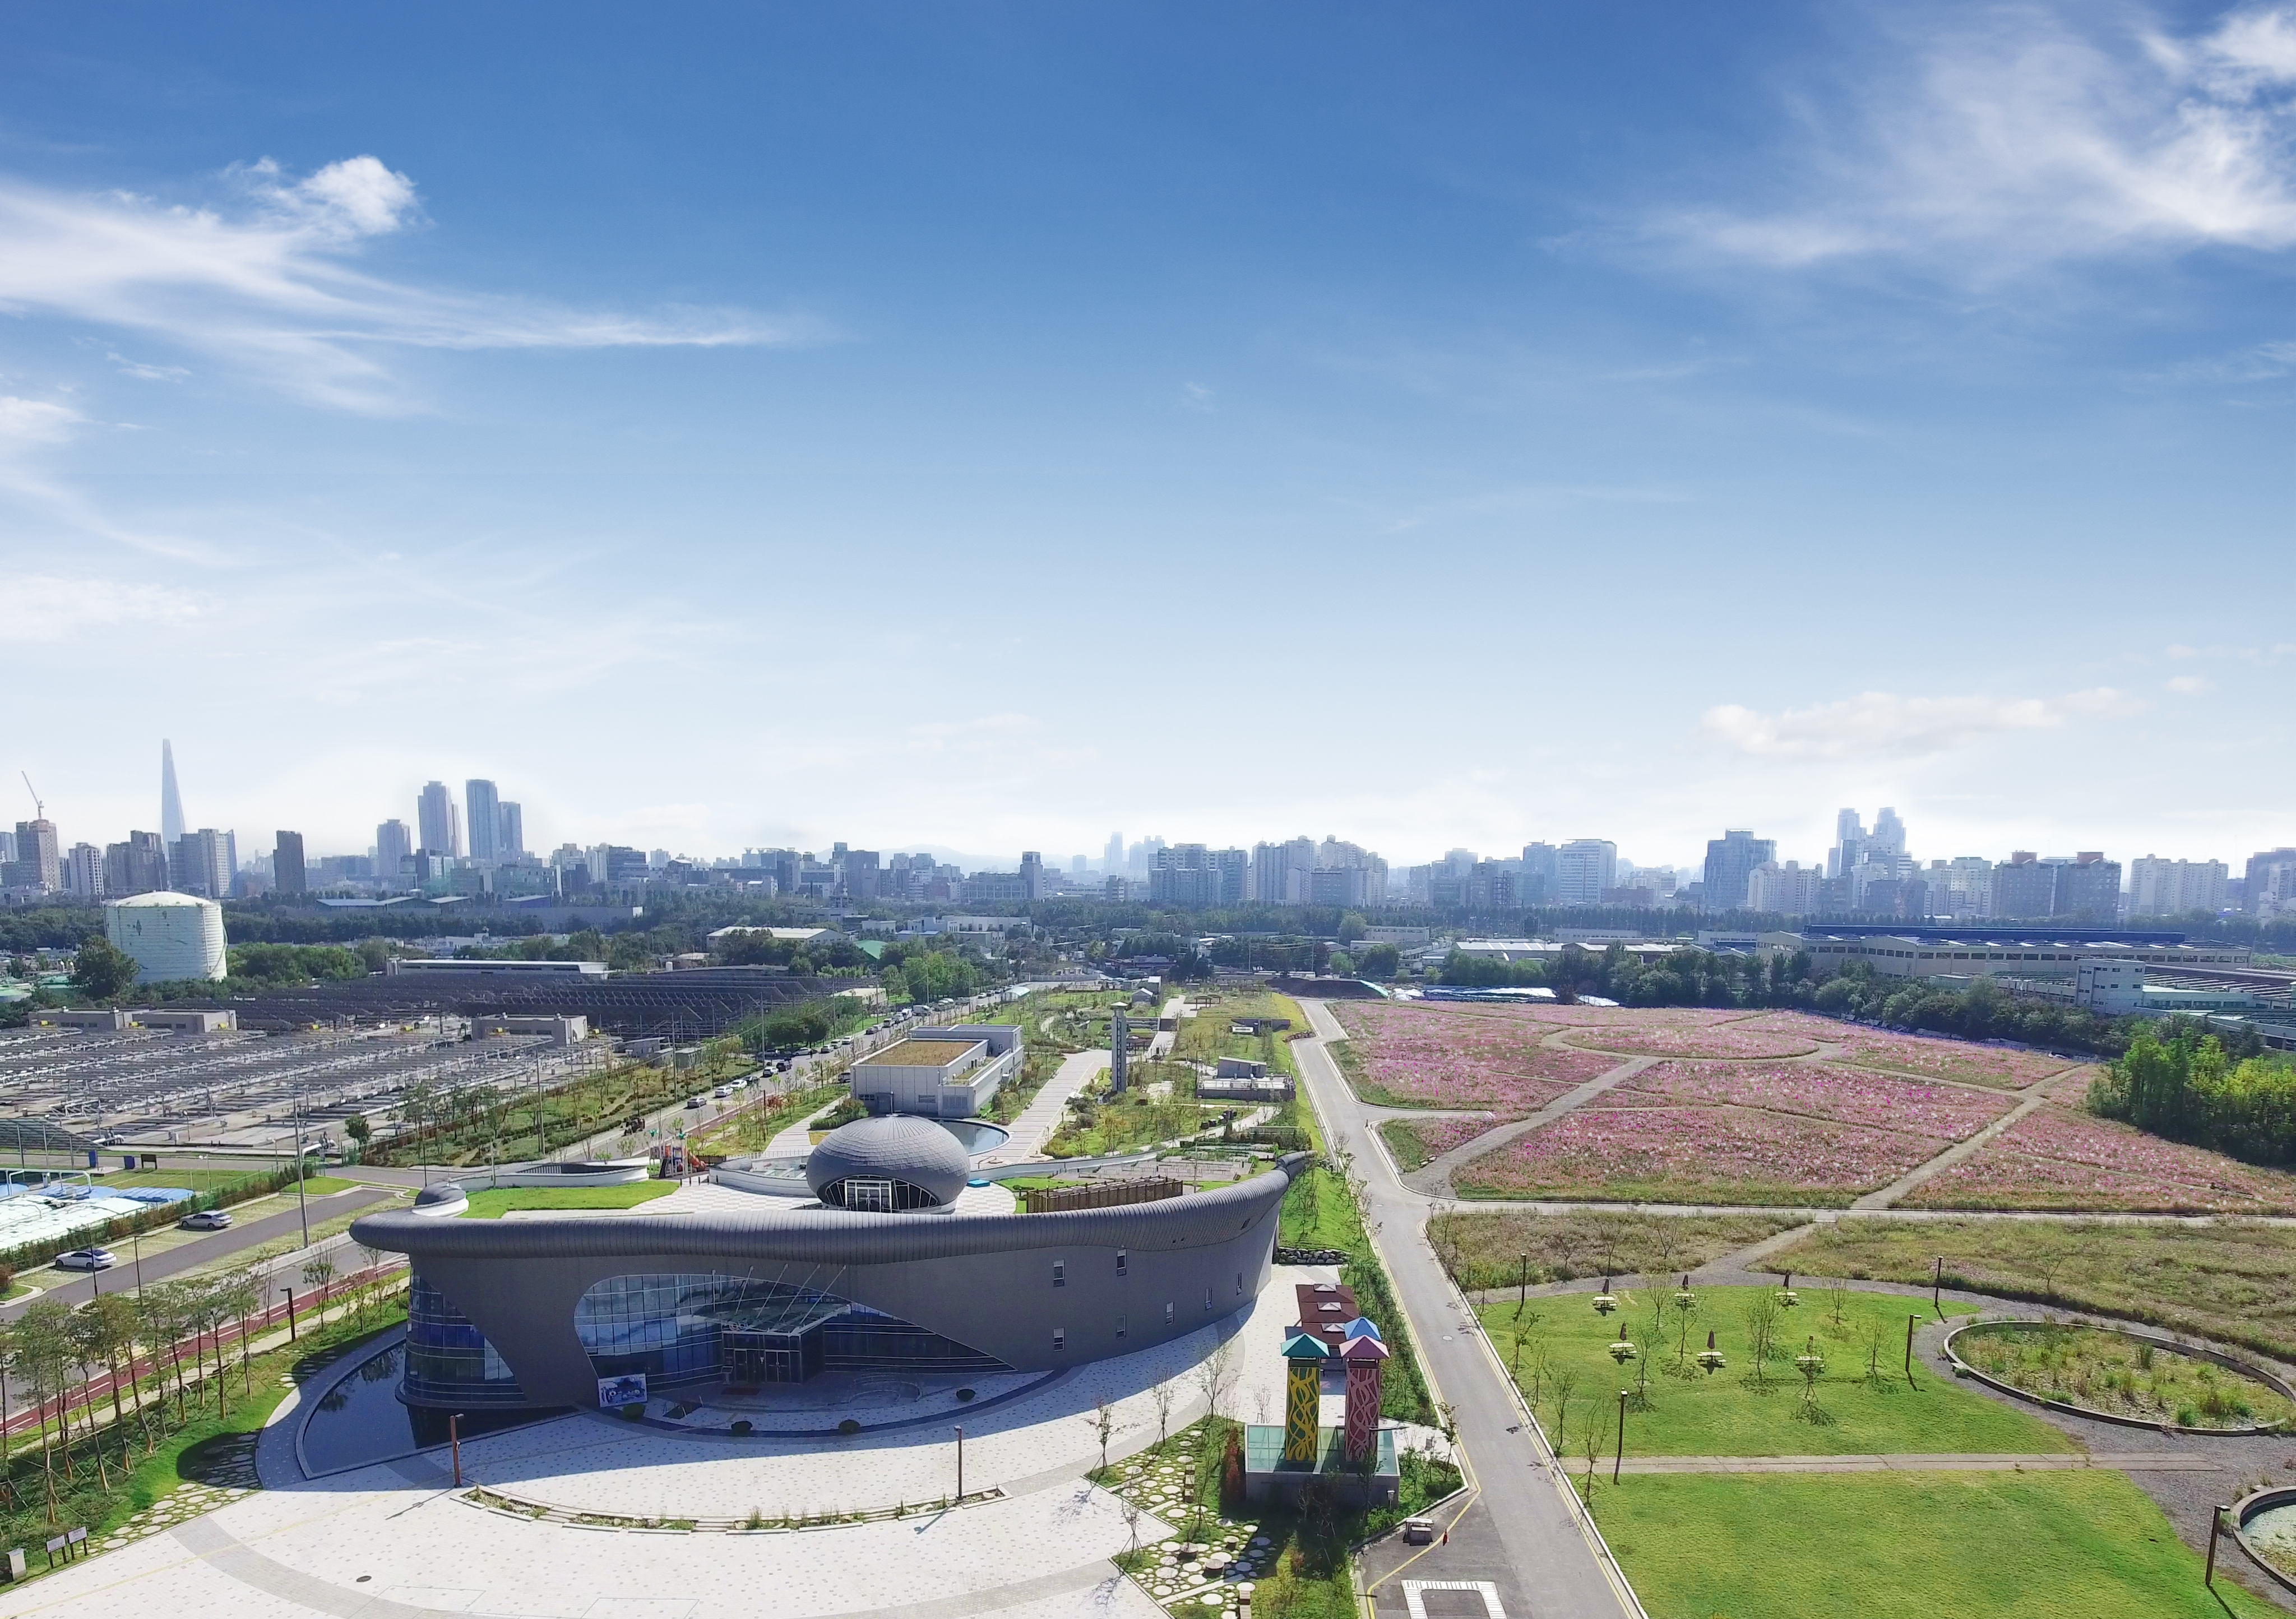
[
  {"x": 1521, "y": 1533},
  {"x": 193, "y": 1255}
]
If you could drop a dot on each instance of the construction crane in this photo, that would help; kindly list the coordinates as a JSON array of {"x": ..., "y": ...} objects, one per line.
[{"x": 39, "y": 810}]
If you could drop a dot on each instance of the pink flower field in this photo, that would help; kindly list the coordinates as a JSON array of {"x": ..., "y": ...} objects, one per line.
[
  {"x": 1412, "y": 1056},
  {"x": 1696, "y": 1154},
  {"x": 1934, "y": 1056},
  {"x": 1439, "y": 1136},
  {"x": 1726, "y": 1042},
  {"x": 2055, "y": 1160},
  {"x": 1603, "y": 1017},
  {"x": 1821, "y": 1090}
]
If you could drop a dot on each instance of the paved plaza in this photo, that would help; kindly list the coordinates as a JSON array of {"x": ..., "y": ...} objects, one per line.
[{"x": 395, "y": 1541}]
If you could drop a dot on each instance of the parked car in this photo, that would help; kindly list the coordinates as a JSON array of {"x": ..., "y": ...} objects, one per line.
[
  {"x": 86, "y": 1259},
  {"x": 206, "y": 1220}
]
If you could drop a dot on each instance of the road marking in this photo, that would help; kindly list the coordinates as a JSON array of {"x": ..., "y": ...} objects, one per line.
[{"x": 1488, "y": 1592}]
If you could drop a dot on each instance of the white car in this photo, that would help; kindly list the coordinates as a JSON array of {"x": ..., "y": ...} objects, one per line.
[
  {"x": 722, "y": 1092},
  {"x": 86, "y": 1259},
  {"x": 206, "y": 1220}
]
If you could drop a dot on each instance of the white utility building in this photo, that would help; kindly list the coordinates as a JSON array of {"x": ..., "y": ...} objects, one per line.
[{"x": 171, "y": 936}]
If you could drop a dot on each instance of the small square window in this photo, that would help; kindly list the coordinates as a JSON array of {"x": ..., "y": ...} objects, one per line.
[
  {"x": 1123, "y": 1262},
  {"x": 1167, "y": 1314},
  {"x": 1121, "y": 1322},
  {"x": 1060, "y": 1339},
  {"x": 1059, "y": 1273}
]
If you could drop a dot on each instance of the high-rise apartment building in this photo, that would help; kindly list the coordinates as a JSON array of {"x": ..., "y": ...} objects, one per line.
[
  {"x": 434, "y": 819},
  {"x": 1583, "y": 867},
  {"x": 1848, "y": 843},
  {"x": 1730, "y": 860},
  {"x": 391, "y": 848},
  {"x": 83, "y": 872},
  {"x": 2171, "y": 888},
  {"x": 1032, "y": 875},
  {"x": 1540, "y": 875},
  {"x": 1112, "y": 859},
  {"x": 510, "y": 835},
  {"x": 1888, "y": 836},
  {"x": 1793, "y": 889},
  {"x": 1280, "y": 872},
  {"x": 2084, "y": 885},
  {"x": 287, "y": 876},
  {"x": 485, "y": 807},
  {"x": 2270, "y": 889},
  {"x": 137, "y": 866},
  {"x": 199, "y": 863},
  {"x": 39, "y": 862}
]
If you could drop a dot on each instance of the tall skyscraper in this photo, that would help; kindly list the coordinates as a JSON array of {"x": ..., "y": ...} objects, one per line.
[
  {"x": 83, "y": 872},
  {"x": 391, "y": 848},
  {"x": 484, "y": 806},
  {"x": 1730, "y": 860},
  {"x": 510, "y": 841},
  {"x": 287, "y": 864},
  {"x": 137, "y": 866},
  {"x": 171, "y": 802},
  {"x": 434, "y": 819},
  {"x": 39, "y": 863},
  {"x": 1584, "y": 868},
  {"x": 1112, "y": 856},
  {"x": 1889, "y": 835},
  {"x": 1849, "y": 844},
  {"x": 199, "y": 863}
]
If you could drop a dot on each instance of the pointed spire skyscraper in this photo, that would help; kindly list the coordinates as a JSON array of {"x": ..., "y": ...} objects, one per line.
[{"x": 171, "y": 802}]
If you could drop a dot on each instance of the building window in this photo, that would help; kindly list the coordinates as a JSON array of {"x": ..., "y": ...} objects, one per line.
[
  {"x": 1168, "y": 1313},
  {"x": 1123, "y": 1262},
  {"x": 870, "y": 1196},
  {"x": 1239, "y": 1284},
  {"x": 1121, "y": 1322},
  {"x": 1207, "y": 1298},
  {"x": 1060, "y": 1339},
  {"x": 1059, "y": 1273}
]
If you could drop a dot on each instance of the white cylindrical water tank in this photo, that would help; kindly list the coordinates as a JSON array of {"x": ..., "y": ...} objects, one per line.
[{"x": 171, "y": 936}]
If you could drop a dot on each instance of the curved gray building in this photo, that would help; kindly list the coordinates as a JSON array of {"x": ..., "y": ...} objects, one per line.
[{"x": 538, "y": 1312}]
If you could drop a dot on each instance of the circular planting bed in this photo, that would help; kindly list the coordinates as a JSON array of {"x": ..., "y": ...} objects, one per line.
[
  {"x": 2264, "y": 1523},
  {"x": 2118, "y": 1374}
]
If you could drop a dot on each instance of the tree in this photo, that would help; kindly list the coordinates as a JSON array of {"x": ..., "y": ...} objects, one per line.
[
  {"x": 42, "y": 1362},
  {"x": 358, "y": 1128},
  {"x": 102, "y": 969},
  {"x": 1104, "y": 1423}
]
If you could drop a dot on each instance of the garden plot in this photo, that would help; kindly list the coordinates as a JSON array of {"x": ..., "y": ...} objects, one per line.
[
  {"x": 1410, "y": 1056},
  {"x": 1416, "y": 1141},
  {"x": 1821, "y": 1090},
  {"x": 1697, "y": 1155},
  {"x": 1932, "y": 1057},
  {"x": 2052, "y": 1159},
  {"x": 1722, "y": 1042}
]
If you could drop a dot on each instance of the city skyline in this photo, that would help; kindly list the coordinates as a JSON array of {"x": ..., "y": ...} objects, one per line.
[{"x": 1575, "y": 336}]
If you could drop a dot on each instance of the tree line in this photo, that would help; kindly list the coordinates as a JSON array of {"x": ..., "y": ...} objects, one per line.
[{"x": 2188, "y": 1085}]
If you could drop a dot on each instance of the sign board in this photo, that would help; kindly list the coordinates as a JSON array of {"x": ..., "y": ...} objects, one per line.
[
  {"x": 614, "y": 1393},
  {"x": 672, "y": 1160}
]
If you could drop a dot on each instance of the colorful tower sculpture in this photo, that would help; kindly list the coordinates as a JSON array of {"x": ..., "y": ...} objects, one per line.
[
  {"x": 1361, "y": 1353},
  {"x": 1304, "y": 1354}
]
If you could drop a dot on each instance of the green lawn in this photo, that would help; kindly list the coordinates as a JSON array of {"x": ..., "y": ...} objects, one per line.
[
  {"x": 321, "y": 1186},
  {"x": 1727, "y": 1414},
  {"x": 495, "y": 1203},
  {"x": 1908, "y": 1546},
  {"x": 1319, "y": 1213}
]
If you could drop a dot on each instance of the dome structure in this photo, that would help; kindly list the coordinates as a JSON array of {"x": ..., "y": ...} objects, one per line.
[
  {"x": 888, "y": 1164},
  {"x": 169, "y": 936}
]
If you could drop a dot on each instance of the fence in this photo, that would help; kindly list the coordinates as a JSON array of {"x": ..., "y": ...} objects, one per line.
[
  {"x": 28, "y": 1255},
  {"x": 200, "y": 1347},
  {"x": 1109, "y": 1195}
]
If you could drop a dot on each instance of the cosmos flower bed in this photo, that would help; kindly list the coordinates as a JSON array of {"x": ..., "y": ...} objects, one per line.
[
  {"x": 2052, "y": 1159},
  {"x": 1728, "y": 1042},
  {"x": 1696, "y": 1154},
  {"x": 1436, "y": 1137},
  {"x": 1821, "y": 1090},
  {"x": 1606, "y": 1017},
  {"x": 1409, "y": 1056},
  {"x": 1932, "y": 1057}
]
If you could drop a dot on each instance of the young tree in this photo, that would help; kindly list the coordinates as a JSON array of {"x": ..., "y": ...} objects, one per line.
[
  {"x": 87, "y": 1335},
  {"x": 1161, "y": 1397},
  {"x": 1104, "y": 1423},
  {"x": 42, "y": 1357},
  {"x": 1563, "y": 1380}
]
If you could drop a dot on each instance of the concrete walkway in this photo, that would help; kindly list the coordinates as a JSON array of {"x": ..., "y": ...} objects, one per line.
[
  {"x": 1946, "y": 1158},
  {"x": 1045, "y": 1111},
  {"x": 1433, "y": 1177},
  {"x": 1521, "y": 1529}
]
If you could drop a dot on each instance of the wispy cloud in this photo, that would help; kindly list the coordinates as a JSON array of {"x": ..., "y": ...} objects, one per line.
[
  {"x": 268, "y": 283},
  {"x": 2191, "y": 686},
  {"x": 51, "y": 608},
  {"x": 1878, "y": 725},
  {"x": 2018, "y": 135}
]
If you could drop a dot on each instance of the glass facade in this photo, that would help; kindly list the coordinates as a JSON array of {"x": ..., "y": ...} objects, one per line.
[
  {"x": 691, "y": 1327},
  {"x": 448, "y": 1361}
]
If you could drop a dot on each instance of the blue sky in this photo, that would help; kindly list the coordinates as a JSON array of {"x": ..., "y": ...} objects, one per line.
[{"x": 991, "y": 426}]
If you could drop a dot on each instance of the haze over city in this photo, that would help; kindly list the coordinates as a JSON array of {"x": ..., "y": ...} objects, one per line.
[{"x": 1493, "y": 427}]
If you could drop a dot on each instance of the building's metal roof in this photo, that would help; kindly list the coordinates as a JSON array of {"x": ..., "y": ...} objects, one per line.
[
  {"x": 834, "y": 1237},
  {"x": 39, "y": 1136}
]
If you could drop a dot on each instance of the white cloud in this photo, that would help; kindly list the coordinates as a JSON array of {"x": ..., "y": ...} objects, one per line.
[
  {"x": 1879, "y": 725},
  {"x": 268, "y": 284},
  {"x": 1195, "y": 395},
  {"x": 2190, "y": 686},
  {"x": 2018, "y": 135},
  {"x": 48, "y": 607},
  {"x": 29, "y": 421}
]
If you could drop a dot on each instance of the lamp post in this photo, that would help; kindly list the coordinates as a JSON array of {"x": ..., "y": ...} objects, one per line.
[
  {"x": 454, "y": 1440},
  {"x": 1618, "y": 1460},
  {"x": 960, "y": 1467}
]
